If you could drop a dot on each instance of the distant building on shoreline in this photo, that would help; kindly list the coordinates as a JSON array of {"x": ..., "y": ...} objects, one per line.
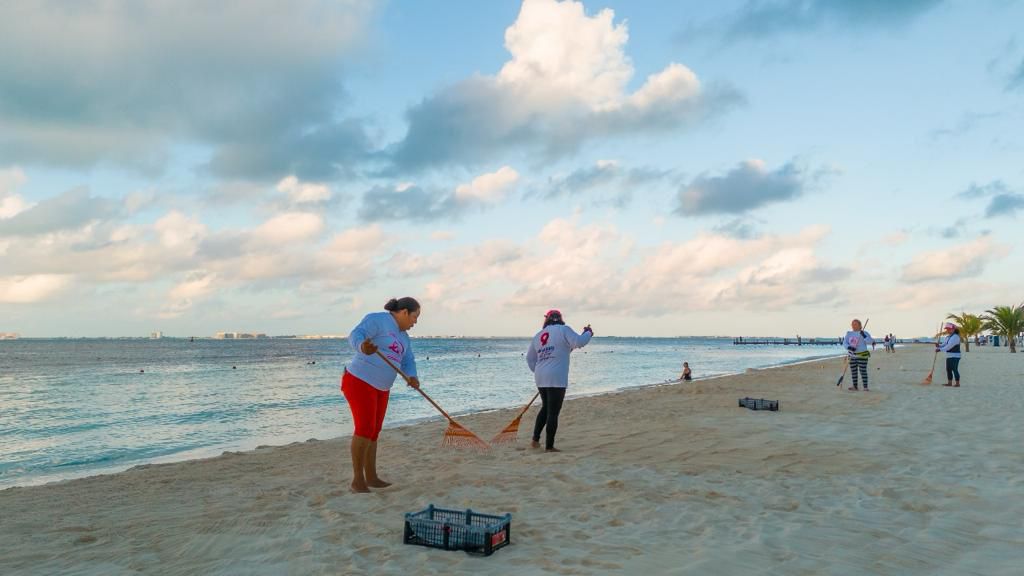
[
  {"x": 9, "y": 335},
  {"x": 238, "y": 335},
  {"x": 156, "y": 335}
]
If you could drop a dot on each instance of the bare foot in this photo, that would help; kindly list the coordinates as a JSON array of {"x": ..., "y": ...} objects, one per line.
[
  {"x": 552, "y": 450},
  {"x": 359, "y": 488},
  {"x": 377, "y": 483},
  {"x": 534, "y": 444}
]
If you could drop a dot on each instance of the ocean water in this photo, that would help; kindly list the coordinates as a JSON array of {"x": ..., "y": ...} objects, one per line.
[{"x": 72, "y": 408}]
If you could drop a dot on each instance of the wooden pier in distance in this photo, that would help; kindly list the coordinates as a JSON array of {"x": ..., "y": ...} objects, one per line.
[{"x": 757, "y": 341}]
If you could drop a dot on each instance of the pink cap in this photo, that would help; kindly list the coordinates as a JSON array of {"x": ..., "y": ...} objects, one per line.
[
  {"x": 552, "y": 312},
  {"x": 950, "y": 326}
]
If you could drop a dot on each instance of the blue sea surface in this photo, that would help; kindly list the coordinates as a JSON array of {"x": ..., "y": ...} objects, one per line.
[{"x": 71, "y": 408}]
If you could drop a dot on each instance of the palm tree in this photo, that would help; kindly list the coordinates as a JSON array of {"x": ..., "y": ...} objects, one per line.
[
  {"x": 1006, "y": 321},
  {"x": 970, "y": 325}
]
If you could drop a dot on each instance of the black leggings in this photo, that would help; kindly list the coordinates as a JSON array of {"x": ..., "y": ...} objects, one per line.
[
  {"x": 953, "y": 369},
  {"x": 548, "y": 416}
]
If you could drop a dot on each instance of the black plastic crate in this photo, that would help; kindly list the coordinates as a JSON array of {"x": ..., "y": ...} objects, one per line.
[
  {"x": 759, "y": 404},
  {"x": 473, "y": 532}
]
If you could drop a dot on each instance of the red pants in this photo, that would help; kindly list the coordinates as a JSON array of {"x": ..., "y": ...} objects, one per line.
[{"x": 368, "y": 406}]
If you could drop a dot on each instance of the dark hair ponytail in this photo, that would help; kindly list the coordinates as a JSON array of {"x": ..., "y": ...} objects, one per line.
[{"x": 398, "y": 304}]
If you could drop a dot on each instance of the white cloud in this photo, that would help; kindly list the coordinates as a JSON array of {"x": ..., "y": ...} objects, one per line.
[
  {"x": 177, "y": 231},
  {"x": 598, "y": 268},
  {"x": 489, "y": 188},
  {"x": 963, "y": 261},
  {"x": 566, "y": 82},
  {"x": 11, "y": 203},
  {"x": 303, "y": 192},
  {"x": 289, "y": 227},
  {"x": 29, "y": 289}
]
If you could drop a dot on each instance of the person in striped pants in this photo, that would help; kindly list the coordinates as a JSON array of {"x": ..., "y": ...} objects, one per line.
[{"x": 856, "y": 342}]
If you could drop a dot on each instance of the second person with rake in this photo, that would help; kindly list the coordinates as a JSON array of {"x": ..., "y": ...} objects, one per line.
[{"x": 548, "y": 359}]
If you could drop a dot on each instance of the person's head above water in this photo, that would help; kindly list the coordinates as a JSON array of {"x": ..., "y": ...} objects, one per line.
[
  {"x": 553, "y": 317},
  {"x": 406, "y": 311},
  {"x": 856, "y": 325}
]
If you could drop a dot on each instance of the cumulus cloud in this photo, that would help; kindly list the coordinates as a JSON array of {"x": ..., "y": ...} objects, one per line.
[
  {"x": 488, "y": 188},
  {"x": 1004, "y": 205},
  {"x": 747, "y": 186},
  {"x": 72, "y": 209},
  {"x": 600, "y": 178},
  {"x": 599, "y": 268},
  {"x": 766, "y": 18},
  {"x": 123, "y": 82},
  {"x": 303, "y": 192},
  {"x": 963, "y": 261},
  {"x": 10, "y": 202},
  {"x": 408, "y": 201},
  {"x": 1002, "y": 200},
  {"x": 565, "y": 83},
  {"x": 32, "y": 288}
]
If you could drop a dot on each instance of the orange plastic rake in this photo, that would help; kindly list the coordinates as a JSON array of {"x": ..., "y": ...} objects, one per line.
[
  {"x": 456, "y": 435},
  {"x": 510, "y": 433},
  {"x": 928, "y": 379}
]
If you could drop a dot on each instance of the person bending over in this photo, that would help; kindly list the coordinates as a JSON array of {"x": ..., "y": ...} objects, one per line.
[{"x": 368, "y": 379}]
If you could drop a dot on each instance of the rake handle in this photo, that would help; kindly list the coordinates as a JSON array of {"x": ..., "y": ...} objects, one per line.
[
  {"x": 406, "y": 378},
  {"x": 530, "y": 403}
]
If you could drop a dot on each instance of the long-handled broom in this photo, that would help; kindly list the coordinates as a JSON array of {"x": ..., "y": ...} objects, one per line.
[
  {"x": 456, "y": 434},
  {"x": 928, "y": 379},
  {"x": 846, "y": 363},
  {"x": 510, "y": 433}
]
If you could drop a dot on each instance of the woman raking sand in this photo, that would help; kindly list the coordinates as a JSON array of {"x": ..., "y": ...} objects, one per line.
[
  {"x": 368, "y": 380},
  {"x": 548, "y": 359},
  {"x": 951, "y": 346}
]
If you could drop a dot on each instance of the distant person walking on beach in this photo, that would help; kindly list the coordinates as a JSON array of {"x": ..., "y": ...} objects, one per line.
[
  {"x": 368, "y": 379},
  {"x": 951, "y": 346},
  {"x": 687, "y": 374},
  {"x": 856, "y": 342},
  {"x": 548, "y": 359}
]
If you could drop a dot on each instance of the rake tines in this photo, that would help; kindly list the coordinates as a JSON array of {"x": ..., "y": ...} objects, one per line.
[
  {"x": 509, "y": 434},
  {"x": 456, "y": 435}
]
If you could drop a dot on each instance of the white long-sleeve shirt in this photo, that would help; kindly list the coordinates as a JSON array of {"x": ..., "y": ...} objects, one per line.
[
  {"x": 951, "y": 346},
  {"x": 854, "y": 339},
  {"x": 548, "y": 356},
  {"x": 382, "y": 330}
]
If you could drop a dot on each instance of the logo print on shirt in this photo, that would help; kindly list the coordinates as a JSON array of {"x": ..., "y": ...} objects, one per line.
[
  {"x": 396, "y": 348},
  {"x": 544, "y": 338}
]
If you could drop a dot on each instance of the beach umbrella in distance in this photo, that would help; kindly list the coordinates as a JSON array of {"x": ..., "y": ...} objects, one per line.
[
  {"x": 456, "y": 434},
  {"x": 846, "y": 361},
  {"x": 510, "y": 433}
]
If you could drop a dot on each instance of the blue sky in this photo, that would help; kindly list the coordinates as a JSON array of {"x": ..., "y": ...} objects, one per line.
[{"x": 652, "y": 168}]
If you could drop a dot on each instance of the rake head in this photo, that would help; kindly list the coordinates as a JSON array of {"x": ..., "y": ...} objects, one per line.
[
  {"x": 458, "y": 436},
  {"x": 928, "y": 379},
  {"x": 509, "y": 434}
]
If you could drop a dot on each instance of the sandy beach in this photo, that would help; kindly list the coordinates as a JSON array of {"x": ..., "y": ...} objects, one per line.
[{"x": 905, "y": 479}]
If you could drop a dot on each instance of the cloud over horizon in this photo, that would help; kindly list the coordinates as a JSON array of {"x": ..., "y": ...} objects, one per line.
[{"x": 565, "y": 84}]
